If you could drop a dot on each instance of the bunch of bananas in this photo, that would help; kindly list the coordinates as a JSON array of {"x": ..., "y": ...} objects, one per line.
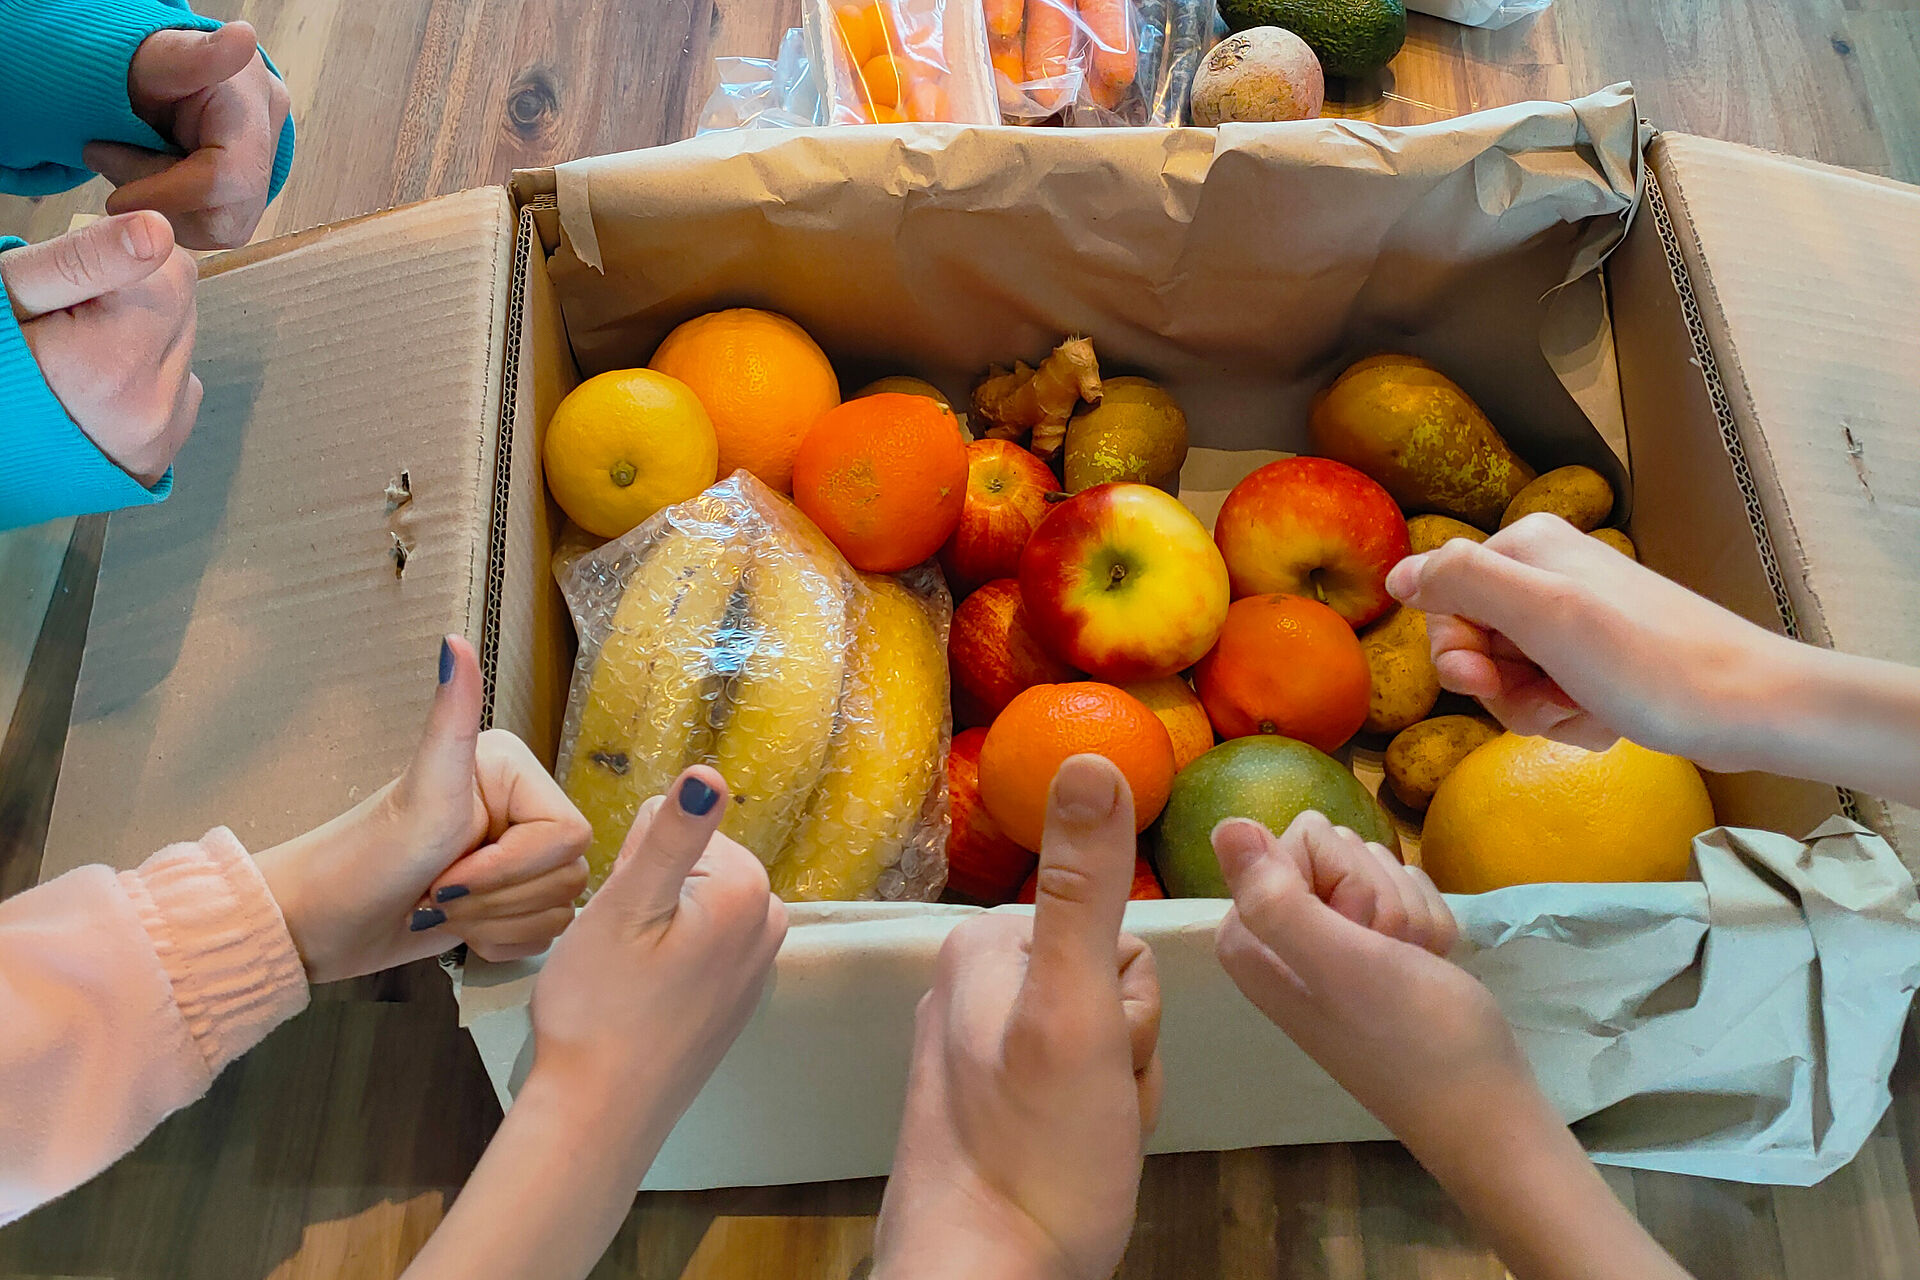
[{"x": 742, "y": 639}]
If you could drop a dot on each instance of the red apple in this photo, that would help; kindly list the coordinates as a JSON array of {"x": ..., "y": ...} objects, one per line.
[
  {"x": 994, "y": 654},
  {"x": 1146, "y": 885},
  {"x": 1313, "y": 527},
  {"x": 984, "y": 865},
  {"x": 1006, "y": 497},
  {"x": 1122, "y": 581}
]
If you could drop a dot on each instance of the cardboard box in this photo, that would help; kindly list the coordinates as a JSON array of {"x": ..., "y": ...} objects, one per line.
[{"x": 365, "y": 477}]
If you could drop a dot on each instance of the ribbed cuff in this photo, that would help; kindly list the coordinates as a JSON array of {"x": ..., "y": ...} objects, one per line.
[
  {"x": 220, "y": 937},
  {"x": 48, "y": 466}
]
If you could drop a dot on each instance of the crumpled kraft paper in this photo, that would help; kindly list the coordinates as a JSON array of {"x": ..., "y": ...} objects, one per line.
[{"x": 1742, "y": 1026}]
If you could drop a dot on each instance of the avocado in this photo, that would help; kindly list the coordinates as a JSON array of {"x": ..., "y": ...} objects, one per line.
[{"x": 1350, "y": 37}]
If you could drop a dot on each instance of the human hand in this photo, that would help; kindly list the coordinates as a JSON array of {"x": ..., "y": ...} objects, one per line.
[
  {"x": 108, "y": 313},
  {"x": 473, "y": 842},
  {"x": 1560, "y": 636},
  {"x": 1035, "y": 1074},
  {"x": 210, "y": 94},
  {"x": 647, "y": 990}
]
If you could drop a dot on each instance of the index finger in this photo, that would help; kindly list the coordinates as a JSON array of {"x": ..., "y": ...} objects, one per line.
[{"x": 1086, "y": 872}]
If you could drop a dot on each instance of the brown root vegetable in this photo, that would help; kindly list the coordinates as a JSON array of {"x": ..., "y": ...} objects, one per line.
[
  {"x": 1618, "y": 541},
  {"x": 1421, "y": 757},
  {"x": 1039, "y": 401}
]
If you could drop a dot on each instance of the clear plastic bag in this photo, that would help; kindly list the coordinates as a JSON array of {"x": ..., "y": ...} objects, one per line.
[
  {"x": 727, "y": 630},
  {"x": 1491, "y": 14},
  {"x": 892, "y": 61},
  {"x": 763, "y": 93},
  {"x": 1097, "y": 62}
]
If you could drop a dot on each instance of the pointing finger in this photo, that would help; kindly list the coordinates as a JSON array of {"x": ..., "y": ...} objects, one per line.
[{"x": 1086, "y": 872}]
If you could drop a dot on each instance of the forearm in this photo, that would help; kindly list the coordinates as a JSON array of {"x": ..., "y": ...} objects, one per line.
[
  {"x": 1524, "y": 1181},
  {"x": 1809, "y": 712},
  {"x": 554, "y": 1184}
]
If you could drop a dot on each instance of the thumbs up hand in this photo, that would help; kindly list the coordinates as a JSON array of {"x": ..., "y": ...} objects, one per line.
[
  {"x": 474, "y": 842},
  {"x": 210, "y": 94}
]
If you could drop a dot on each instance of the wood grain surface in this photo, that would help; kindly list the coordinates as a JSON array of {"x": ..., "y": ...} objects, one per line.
[{"x": 334, "y": 1148}]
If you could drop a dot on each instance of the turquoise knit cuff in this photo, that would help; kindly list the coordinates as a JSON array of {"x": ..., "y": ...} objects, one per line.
[
  {"x": 48, "y": 467},
  {"x": 63, "y": 84}
]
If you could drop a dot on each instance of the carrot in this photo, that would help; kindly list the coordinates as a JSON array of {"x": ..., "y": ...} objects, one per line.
[
  {"x": 1003, "y": 17},
  {"x": 1049, "y": 49},
  {"x": 1115, "y": 55}
]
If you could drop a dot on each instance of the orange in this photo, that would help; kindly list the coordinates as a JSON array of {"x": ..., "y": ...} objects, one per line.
[
  {"x": 1044, "y": 726},
  {"x": 624, "y": 444},
  {"x": 1180, "y": 709},
  {"x": 884, "y": 477},
  {"x": 860, "y": 26},
  {"x": 887, "y": 115},
  {"x": 763, "y": 381},
  {"x": 1287, "y": 665},
  {"x": 1530, "y": 810},
  {"x": 882, "y": 75}
]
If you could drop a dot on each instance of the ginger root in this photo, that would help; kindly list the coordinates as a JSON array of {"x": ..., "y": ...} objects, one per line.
[{"x": 1040, "y": 401}]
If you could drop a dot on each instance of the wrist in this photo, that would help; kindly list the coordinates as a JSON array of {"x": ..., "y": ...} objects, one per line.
[
  {"x": 947, "y": 1225},
  {"x": 622, "y": 1110}
]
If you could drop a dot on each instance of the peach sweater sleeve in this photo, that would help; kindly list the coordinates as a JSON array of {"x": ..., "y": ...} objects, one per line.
[{"x": 122, "y": 996}]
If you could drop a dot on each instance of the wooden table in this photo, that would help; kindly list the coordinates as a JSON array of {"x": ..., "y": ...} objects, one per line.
[{"x": 334, "y": 1148}]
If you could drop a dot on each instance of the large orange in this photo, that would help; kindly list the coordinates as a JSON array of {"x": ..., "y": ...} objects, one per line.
[
  {"x": 1180, "y": 709},
  {"x": 1287, "y": 665},
  {"x": 1048, "y": 723},
  {"x": 763, "y": 381},
  {"x": 885, "y": 477}
]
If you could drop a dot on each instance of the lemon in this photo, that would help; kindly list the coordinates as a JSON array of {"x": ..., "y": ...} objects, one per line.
[
  {"x": 1529, "y": 810},
  {"x": 624, "y": 444}
]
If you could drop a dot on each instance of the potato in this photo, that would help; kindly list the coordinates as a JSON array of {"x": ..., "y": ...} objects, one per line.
[
  {"x": 1428, "y": 532},
  {"x": 1579, "y": 495},
  {"x": 1405, "y": 685},
  {"x": 1617, "y": 540},
  {"x": 1421, "y": 757}
]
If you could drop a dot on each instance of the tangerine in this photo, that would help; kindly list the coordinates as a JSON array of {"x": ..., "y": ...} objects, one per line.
[
  {"x": 1287, "y": 665},
  {"x": 1044, "y": 726},
  {"x": 884, "y": 477}
]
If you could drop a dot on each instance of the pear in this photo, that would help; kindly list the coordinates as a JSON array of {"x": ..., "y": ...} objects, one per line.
[
  {"x": 1136, "y": 433},
  {"x": 1410, "y": 427}
]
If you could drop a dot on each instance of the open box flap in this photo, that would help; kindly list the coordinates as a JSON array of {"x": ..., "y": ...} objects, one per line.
[
  {"x": 1805, "y": 278},
  {"x": 258, "y": 657}
]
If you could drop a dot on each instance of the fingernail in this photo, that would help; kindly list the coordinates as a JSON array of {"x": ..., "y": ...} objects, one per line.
[
  {"x": 448, "y": 892},
  {"x": 138, "y": 236},
  {"x": 425, "y": 918},
  {"x": 1084, "y": 793},
  {"x": 1238, "y": 843},
  {"x": 697, "y": 798},
  {"x": 446, "y": 661}
]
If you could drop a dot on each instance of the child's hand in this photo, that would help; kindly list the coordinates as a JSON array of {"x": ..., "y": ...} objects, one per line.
[
  {"x": 211, "y": 95},
  {"x": 651, "y": 985},
  {"x": 1342, "y": 946},
  {"x": 1561, "y": 636},
  {"x": 108, "y": 313},
  {"x": 1035, "y": 1070},
  {"x": 474, "y": 842}
]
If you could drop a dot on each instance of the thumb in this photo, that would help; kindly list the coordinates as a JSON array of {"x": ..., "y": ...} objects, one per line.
[
  {"x": 1086, "y": 872},
  {"x": 443, "y": 762},
  {"x": 1473, "y": 581},
  {"x": 1278, "y": 906},
  {"x": 171, "y": 65},
  {"x": 82, "y": 265}
]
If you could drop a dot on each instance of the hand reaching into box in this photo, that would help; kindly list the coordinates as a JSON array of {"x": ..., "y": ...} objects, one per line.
[
  {"x": 1035, "y": 1075},
  {"x": 1343, "y": 948},
  {"x": 1560, "y": 636},
  {"x": 473, "y": 842}
]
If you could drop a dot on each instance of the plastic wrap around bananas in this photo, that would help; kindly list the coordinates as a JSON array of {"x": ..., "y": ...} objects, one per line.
[{"x": 728, "y": 630}]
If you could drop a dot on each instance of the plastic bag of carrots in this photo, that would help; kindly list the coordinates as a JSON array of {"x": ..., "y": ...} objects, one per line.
[
  {"x": 1096, "y": 62},
  {"x": 892, "y": 61}
]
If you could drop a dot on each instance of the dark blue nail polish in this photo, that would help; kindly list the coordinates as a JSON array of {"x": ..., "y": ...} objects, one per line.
[
  {"x": 697, "y": 798},
  {"x": 426, "y": 918},
  {"x": 448, "y": 892},
  {"x": 446, "y": 662}
]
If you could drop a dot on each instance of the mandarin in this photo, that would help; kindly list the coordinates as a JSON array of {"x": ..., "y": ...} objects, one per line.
[
  {"x": 1287, "y": 665},
  {"x": 1046, "y": 725},
  {"x": 884, "y": 477}
]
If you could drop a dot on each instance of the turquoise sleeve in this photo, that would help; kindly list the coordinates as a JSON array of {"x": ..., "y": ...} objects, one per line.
[
  {"x": 63, "y": 84},
  {"x": 48, "y": 467}
]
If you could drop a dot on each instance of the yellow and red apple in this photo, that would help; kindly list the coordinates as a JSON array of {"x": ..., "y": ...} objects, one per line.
[
  {"x": 984, "y": 865},
  {"x": 1006, "y": 497},
  {"x": 1313, "y": 527},
  {"x": 1122, "y": 581},
  {"x": 994, "y": 654}
]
